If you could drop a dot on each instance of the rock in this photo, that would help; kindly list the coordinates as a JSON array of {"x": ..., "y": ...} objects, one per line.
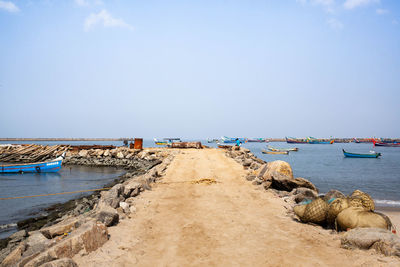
[
  {"x": 254, "y": 166},
  {"x": 107, "y": 215},
  {"x": 86, "y": 239},
  {"x": 83, "y": 153},
  {"x": 61, "y": 228},
  {"x": 18, "y": 236},
  {"x": 107, "y": 153},
  {"x": 333, "y": 194},
  {"x": 303, "y": 193},
  {"x": 245, "y": 150},
  {"x": 64, "y": 262},
  {"x": 99, "y": 152},
  {"x": 279, "y": 168},
  {"x": 125, "y": 207},
  {"x": 381, "y": 240},
  {"x": 14, "y": 256},
  {"x": 36, "y": 242},
  {"x": 247, "y": 162},
  {"x": 132, "y": 188},
  {"x": 113, "y": 196},
  {"x": 358, "y": 217},
  {"x": 235, "y": 148},
  {"x": 250, "y": 177},
  {"x": 285, "y": 183},
  {"x": 120, "y": 155}
]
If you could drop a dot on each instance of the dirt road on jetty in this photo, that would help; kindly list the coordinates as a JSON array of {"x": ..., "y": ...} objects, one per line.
[{"x": 227, "y": 223}]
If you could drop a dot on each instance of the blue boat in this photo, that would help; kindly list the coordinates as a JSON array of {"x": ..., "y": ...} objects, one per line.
[
  {"x": 354, "y": 155},
  {"x": 39, "y": 167}
]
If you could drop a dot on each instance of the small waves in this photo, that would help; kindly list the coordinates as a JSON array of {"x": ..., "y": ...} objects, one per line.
[
  {"x": 390, "y": 203},
  {"x": 6, "y": 226}
]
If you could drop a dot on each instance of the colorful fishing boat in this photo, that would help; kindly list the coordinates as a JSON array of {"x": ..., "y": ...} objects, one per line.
[
  {"x": 39, "y": 167},
  {"x": 160, "y": 143},
  {"x": 372, "y": 154},
  {"x": 257, "y": 140},
  {"x": 312, "y": 140},
  {"x": 282, "y": 149},
  {"x": 230, "y": 140},
  {"x": 292, "y": 140},
  {"x": 275, "y": 152},
  {"x": 394, "y": 144}
]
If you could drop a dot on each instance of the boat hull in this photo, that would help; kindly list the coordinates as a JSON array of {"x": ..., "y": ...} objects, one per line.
[
  {"x": 275, "y": 152},
  {"x": 51, "y": 166},
  {"x": 354, "y": 155}
]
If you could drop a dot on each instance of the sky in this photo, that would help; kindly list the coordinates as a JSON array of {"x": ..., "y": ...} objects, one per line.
[{"x": 199, "y": 69}]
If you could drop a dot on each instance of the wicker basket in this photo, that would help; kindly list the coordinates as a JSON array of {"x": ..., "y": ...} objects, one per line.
[
  {"x": 315, "y": 212},
  {"x": 335, "y": 208},
  {"x": 299, "y": 210},
  {"x": 366, "y": 199}
]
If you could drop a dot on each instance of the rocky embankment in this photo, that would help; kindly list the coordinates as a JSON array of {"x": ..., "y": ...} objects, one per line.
[
  {"x": 355, "y": 214},
  {"x": 82, "y": 227}
]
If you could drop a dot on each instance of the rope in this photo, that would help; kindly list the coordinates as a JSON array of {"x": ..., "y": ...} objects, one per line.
[{"x": 63, "y": 193}]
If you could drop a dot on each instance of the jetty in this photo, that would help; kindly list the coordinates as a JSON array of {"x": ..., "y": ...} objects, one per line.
[{"x": 193, "y": 207}]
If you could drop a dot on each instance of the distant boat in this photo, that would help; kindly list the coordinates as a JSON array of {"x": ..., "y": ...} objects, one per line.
[
  {"x": 354, "y": 155},
  {"x": 257, "y": 140},
  {"x": 230, "y": 140},
  {"x": 274, "y": 152},
  {"x": 39, "y": 167},
  {"x": 312, "y": 140},
  {"x": 394, "y": 144},
  {"x": 282, "y": 149},
  {"x": 292, "y": 140},
  {"x": 166, "y": 141}
]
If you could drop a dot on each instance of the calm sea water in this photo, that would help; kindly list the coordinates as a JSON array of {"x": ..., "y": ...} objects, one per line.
[
  {"x": 324, "y": 165},
  {"x": 68, "y": 179}
]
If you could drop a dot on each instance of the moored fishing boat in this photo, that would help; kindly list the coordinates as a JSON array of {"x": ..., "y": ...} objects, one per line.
[
  {"x": 230, "y": 140},
  {"x": 394, "y": 144},
  {"x": 372, "y": 154},
  {"x": 257, "y": 140},
  {"x": 275, "y": 152},
  {"x": 282, "y": 149},
  {"x": 312, "y": 140},
  {"x": 160, "y": 143},
  {"x": 292, "y": 140},
  {"x": 38, "y": 167}
]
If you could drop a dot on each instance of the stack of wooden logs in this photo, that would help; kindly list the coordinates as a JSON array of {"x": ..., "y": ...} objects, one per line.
[{"x": 30, "y": 153}]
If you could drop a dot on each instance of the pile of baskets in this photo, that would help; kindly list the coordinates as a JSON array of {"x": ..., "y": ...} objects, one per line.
[{"x": 324, "y": 211}]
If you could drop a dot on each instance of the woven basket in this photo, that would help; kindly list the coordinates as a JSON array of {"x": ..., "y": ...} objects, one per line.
[
  {"x": 367, "y": 200},
  {"x": 335, "y": 208},
  {"x": 299, "y": 210},
  {"x": 315, "y": 212}
]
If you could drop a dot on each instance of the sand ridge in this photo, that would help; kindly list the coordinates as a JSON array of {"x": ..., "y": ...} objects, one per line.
[{"x": 227, "y": 223}]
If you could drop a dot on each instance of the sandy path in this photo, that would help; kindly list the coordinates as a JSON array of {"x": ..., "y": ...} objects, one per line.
[{"x": 230, "y": 223}]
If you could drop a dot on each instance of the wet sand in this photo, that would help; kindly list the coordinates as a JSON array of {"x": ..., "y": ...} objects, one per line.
[{"x": 227, "y": 223}]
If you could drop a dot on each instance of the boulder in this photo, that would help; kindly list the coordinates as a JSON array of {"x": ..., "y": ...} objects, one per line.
[
  {"x": 125, "y": 207},
  {"x": 132, "y": 189},
  {"x": 84, "y": 240},
  {"x": 187, "y": 145},
  {"x": 107, "y": 215},
  {"x": 358, "y": 217},
  {"x": 381, "y": 240},
  {"x": 333, "y": 194},
  {"x": 14, "y": 256},
  {"x": 18, "y": 236},
  {"x": 279, "y": 167},
  {"x": 245, "y": 150},
  {"x": 106, "y": 153},
  {"x": 83, "y": 153},
  {"x": 285, "y": 183},
  {"x": 120, "y": 155},
  {"x": 99, "y": 152},
  {"x": 113, "y": 196},
  {"x": 64, "y": 262},
  {"x": 61, "y": 228},
  {"x": 247, "y": 162},
  {"x": 254, "y": 165},
  {"x": 36, "y": 242}
]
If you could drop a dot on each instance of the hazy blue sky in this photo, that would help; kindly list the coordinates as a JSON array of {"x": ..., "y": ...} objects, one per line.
[{"x": 192, "y": 69}]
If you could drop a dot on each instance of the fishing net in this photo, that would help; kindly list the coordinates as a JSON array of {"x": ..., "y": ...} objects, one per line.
[
  {"x": 315, "y": 212},
  {"x": 335, "y": 208},
  {"x": 299, "y": 210},
  {"x": 366, "y": 199}
]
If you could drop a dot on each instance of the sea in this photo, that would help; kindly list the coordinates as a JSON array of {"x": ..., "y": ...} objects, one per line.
[{"x": 323, "y": 164}]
